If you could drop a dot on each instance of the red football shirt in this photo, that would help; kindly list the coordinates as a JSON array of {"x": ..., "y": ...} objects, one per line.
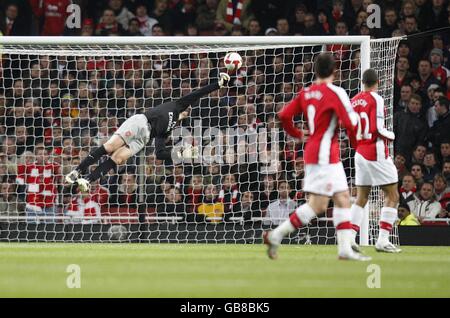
[
  {"x": 371, "y": 136},
  {"x": 322, "y": 105}
]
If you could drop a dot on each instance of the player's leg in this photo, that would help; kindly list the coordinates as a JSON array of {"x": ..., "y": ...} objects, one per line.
[
  {"x": 120, "y": 156},
  {"x": 114, "y": 143},
  {"x": 387, "y": 219},
  {"x": 357, "y": 212},
  {"x": 132, "y": 136},
  {"x": 316, "y": 204},
  {"x": 342, "y": 220}
]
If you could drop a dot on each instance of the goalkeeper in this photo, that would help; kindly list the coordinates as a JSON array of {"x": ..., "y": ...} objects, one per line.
[{"x": 137, "y": 131}]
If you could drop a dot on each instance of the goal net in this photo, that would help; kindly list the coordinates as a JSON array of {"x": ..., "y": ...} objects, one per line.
[{"x": 60, "y": 98}]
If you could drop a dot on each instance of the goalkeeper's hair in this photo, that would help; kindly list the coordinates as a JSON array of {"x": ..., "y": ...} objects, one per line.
[
  {"x": 324, "y": 65},
  {"x": 370, "y": 77}
]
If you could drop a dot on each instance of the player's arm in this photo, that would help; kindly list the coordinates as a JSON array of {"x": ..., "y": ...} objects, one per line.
[
  {"x": 347, "y": 115},
  {"x": 194, "y": 96},
  {"x": 161, "y": 151},
  {"x": 287, "y": 114},
  {"x": 382, "y": 131}
]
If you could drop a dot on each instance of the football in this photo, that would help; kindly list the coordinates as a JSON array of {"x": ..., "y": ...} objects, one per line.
[{"x": 232, "y": 61}]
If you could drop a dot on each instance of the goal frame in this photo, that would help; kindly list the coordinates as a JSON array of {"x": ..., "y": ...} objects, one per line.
[{"x": 362, "y": 41}]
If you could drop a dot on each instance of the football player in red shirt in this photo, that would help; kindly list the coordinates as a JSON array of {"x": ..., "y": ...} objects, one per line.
[
  {"x": 323, "y": 105},
  {"x": 373, "y": 164}
]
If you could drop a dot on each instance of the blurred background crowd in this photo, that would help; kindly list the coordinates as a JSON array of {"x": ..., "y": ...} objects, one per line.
[{"x": 54, "y": 109}]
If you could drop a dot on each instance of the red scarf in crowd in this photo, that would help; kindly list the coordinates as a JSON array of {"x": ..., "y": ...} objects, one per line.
[{"x": 234, "y": 14}]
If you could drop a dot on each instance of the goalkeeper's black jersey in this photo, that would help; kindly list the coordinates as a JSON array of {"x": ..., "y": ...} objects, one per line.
[{"x": 163, "y": 118}]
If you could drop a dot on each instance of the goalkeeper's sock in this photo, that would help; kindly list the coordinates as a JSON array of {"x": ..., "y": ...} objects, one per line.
[
  {"x": 101, "y": 170},
  {"x": 92, "y": 158},
  {"x": 301, "y": 217},
  {"x": 357, "y": 214},
  {"x": 343, "y": 224},
  {"x": 387, "y": 219}
]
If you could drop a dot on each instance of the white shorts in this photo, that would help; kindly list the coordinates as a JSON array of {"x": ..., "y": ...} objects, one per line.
[
  {"x": 325, "y": 179},
  {"x": 135, "y": 132},
  {"x": 374, "y": 173}
]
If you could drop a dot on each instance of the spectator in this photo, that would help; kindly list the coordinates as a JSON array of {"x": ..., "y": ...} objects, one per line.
[
  {"x": 157, "y": 30},
  {"x": 440, "y": 130},
  {"x": 172, "y": 205},
  {"x": 283, "y": 27},
  {"x": 246, "y": 208},
  {"x": 438, "y": 70},
  {"x": 337, "y": 12},
  {"x": 446, "y": 170},
  {"x": 445, "y": 150},
  {"x": 323, "y": 21},
  {"x": 448, "y": 88},
  {"x": 426, "y": 76},
  {"x": 108, "y": 24},
  {"x": 405, "y": 96},
  {"x": 409, "y": 127},
  {"x": 12, "y": 23},
  {"x": 389, "y": 24},
  {"x": 121, "y": 12},
  {"x": 133, "y": 28},
  {"x": 206, "y": 16},
  {"x": 400, "y": 164},
  {"x": 162, "y": 15},
  {"x": 194, "y": 193},
  {"x": 416, "y": 44},
  {"x": 87, "y": 27},
  {"x": 40, "y": 179},
  {"x": 254, "y": 28},
  {"x": 402, "y": 75},
  {"x": 441, "y": 189},
  {"x": 408, "y": 188},
  {"x": 231, "y": 13},
  {"x": 298, "y": 23},
  {"x": 417, "y": 173},
  {"x": 211, "y": 208},
  {"x": 418, "y": 154},
  {"x": 279, "y": 210},
  {"x": 431, "y": 115},
  {"x": 10, "y": 206},
  {"x": 311, "y": 26},
  {"x": 229, "y": 194},
  {"x": 87, "y": 208},
  {"x": 145, "y": 22},
  {"x": 267, "y": 191},
  {"x": 405, "y": 216},
  {"x": 435, "y": 16},
  {"x": 53, "y": 14},
  {"x": 430, "y": 166},
  {"x": 125, "y": 195},
  {"x": 183, "y": 14},
  {"x": 424, "y": 205},
  {"x": 444, "y": 214}
]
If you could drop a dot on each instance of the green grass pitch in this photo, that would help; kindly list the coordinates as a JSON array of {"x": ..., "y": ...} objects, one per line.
[{"x": 187, "y": 270}]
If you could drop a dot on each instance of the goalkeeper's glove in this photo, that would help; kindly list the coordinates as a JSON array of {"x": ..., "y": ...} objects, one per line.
[
  {"x": 224, "y": 78},
  {"x": 188, "y": 152}
]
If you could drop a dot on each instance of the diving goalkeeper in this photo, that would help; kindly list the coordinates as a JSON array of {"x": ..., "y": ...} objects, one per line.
[{"x": 137, "y": 131}]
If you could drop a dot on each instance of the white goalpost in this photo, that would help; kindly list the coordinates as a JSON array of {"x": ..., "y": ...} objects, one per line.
[{"x": 60, "y": 97}]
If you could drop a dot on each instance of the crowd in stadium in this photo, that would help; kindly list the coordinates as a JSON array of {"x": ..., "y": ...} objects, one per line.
[{"x": 54, "y": 109}]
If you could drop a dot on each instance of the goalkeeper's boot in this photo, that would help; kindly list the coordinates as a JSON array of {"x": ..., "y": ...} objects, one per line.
[
  {"x": 387, "y": 247},
  {"x": 355, "y": 257},
  {"x": 271, "y": 247},
  {"x": 73, "y": 176},
  {"x": 83, "y": 185}
]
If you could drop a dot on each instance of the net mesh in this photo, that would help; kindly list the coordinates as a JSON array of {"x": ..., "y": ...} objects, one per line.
[{"x": 59, "y": 102}]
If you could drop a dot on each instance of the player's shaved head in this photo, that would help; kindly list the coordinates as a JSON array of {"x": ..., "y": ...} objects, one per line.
[
  {"x": 324, "y": 65},
  {"x": 370, "y": 77}
]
